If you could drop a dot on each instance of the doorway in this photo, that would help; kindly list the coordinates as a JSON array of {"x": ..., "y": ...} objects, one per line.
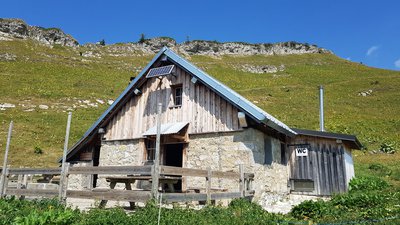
[{"x": 174, "y": 157}]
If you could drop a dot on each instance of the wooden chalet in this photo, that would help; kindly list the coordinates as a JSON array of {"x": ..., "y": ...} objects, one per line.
[{"x": 205, "y": 124}]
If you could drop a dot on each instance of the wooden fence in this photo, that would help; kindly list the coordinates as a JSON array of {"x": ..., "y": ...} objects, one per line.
[{"x": 244, "y": 182}]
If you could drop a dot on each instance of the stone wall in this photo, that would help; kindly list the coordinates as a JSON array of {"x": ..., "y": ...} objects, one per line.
[
  {"x": 80, "y": 181},
  {"x": 119, "y": 153},
  {"x": 225, "y": 151},
  {"x": 219, "y": 151}
]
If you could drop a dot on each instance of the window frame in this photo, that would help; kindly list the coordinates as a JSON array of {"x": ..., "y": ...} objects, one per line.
[
  {"x": 175, "y": 97},
  {"x": 150, "y": 150}
]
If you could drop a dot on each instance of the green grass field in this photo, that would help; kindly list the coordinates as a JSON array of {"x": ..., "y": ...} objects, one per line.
[{"x": 60, "y": 76}]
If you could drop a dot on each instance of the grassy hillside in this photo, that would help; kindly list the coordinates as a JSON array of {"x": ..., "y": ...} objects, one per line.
[{"x": 60, "y": 77}]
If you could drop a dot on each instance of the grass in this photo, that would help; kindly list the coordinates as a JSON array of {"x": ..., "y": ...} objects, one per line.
[{"x": 55, "y": 75}]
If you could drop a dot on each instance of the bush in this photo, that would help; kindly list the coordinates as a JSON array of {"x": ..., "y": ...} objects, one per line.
[
  {"x": 310, "y": 209},
  {"x": 37, "y": 150},
  {"x": 387, "y": 148},
  {"x": 367, "y": 184}
]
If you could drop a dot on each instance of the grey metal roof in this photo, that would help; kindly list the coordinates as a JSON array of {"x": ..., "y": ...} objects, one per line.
[
  {"x": 230, "y": 95},
  {"x": 351, "y": 139},
  {"x": 166, "y": 128}
]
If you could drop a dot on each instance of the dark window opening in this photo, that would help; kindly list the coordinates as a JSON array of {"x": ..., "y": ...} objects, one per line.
[
  {"x": 301, "y": 185},
  {"x": 268, "y": 151},
  {"x": 150, "y": 150},
  {"x": 283, "y": 154},
  {"x": 177, "y": 94}
]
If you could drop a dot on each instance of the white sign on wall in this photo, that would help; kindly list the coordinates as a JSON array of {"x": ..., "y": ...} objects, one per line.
[{"x": 301, "y": 151}]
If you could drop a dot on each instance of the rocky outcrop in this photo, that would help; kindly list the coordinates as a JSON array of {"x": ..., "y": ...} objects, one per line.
[
  {"x": 52, "y": 36},
  {"x": 19, "y": 29},
  {"x": 240, "y": 48}
]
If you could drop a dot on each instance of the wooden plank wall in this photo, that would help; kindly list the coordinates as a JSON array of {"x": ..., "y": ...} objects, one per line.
[
  {"x": 203, "y": 108},
  {"x": 325, "y": 165}
]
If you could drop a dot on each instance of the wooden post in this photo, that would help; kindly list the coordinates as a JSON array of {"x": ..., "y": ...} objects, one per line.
[
  {"x": 19, "y": 182},
  {"x": 156, "y": 163},
  {"x": 4, "y": 169},
  {"x": 241, "y": 180},
  {"x": 208, "y": 185},
  {"x": 63, "y": 175},
  {"x": 24, "y": 185},
  {"x": 65, "y": 184},
  {"x": 7, "y": 173}
]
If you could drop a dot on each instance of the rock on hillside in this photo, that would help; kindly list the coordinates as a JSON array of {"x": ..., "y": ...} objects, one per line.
[{"x": 19, "y": 29}]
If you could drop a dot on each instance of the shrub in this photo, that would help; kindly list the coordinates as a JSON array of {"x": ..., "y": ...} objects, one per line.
[
  {"x": 310, "y": 209},
  {"x": 37, "y": 150},
  {"x": 367, "y": 184},
  {"x": 387, "y": 148}
]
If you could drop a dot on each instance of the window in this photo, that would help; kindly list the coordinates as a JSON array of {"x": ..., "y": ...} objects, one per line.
[
  {"x": 303, "y": 185},
  {"x": 283, "y": 154},
  {"x": 150, "y": 150},
  {"x": 177, "y": 94},
  {"x": 268, "y": 151}
]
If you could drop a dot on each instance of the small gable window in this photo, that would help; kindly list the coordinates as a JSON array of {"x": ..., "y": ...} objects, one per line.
[
  {"x": 177, "y": 94},
  {"x": 150, "y": 150}
]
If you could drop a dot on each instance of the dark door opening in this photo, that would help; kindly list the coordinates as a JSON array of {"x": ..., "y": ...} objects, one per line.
[
  {"x": 174, "y": 157},
  {"x": 96, "y": 159}
]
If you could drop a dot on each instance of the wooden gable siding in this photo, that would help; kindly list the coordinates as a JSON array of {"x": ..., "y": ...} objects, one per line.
[
  {"x": 325, "y": 165},
  {"x": 205, "y": 110}
]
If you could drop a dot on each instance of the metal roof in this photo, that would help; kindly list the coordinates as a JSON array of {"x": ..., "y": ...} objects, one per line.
[
  {"x": 230, "y": 95},
  {"x": 351, "y": 139},
  {"x": 166, "y": 128}
]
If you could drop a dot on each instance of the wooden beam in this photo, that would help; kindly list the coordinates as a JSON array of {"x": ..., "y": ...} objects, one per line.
[
  {"x": 111, "y": 194},
  {"x": 24, "y": 171},
  {"x": 184, "y": 197},
  {"x": 178, "y": 171},
  {"x": 33, "y": 192},
  {"x": 112, "y": 170}
]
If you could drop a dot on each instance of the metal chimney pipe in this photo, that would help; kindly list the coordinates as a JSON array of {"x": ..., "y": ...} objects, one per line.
[{"x": 321, "y": 108}]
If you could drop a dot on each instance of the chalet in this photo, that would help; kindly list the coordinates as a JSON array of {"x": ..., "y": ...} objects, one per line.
[{"x": 206, "y": 124}]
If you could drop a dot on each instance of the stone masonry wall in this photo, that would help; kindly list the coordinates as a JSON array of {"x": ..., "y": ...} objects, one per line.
[
  {"x": 219, "y": 151},
  {"x": 119, "y": 153},
  {"x": 225, "y": 151},
  {"x": 79, "y": 181}
]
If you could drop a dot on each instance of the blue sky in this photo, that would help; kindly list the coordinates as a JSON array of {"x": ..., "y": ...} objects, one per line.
[{"x": 361, "y": 31}]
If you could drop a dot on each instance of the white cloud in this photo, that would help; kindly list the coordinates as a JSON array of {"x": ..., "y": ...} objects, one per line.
[
  {"x": 397, "y": 63},
  {"x": 348, "y": 58},
  {"x": 372, "y": 49}
]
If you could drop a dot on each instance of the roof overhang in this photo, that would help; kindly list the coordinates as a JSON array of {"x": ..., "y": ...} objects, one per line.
[
  {"x": 351, "y": 140},
  {"x": 166, "y": 128}
]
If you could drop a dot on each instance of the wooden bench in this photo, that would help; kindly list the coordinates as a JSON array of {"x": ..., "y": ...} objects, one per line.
[{"x": 131, "y": 179}]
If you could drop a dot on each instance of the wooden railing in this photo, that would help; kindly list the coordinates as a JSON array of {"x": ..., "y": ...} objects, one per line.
[{"x": 244, "y": 182}]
